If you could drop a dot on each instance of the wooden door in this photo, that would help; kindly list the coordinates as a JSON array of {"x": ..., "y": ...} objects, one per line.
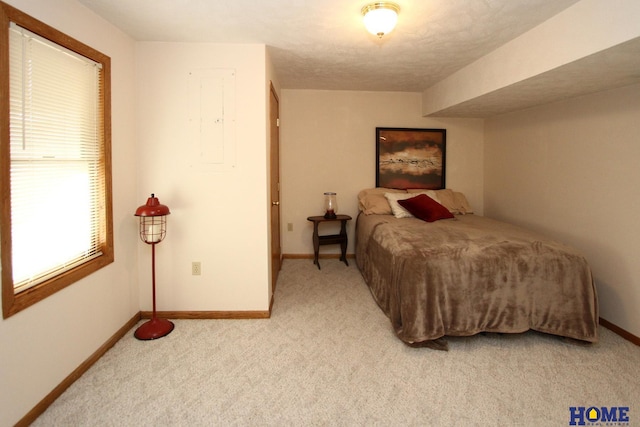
[{"x": 276, "y": 251}]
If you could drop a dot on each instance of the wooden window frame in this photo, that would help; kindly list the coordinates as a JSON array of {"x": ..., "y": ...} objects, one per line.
[{"x": 12, "y": 302}]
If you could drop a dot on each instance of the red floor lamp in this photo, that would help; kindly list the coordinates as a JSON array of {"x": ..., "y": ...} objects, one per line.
[{"x": 153, "y": 227}]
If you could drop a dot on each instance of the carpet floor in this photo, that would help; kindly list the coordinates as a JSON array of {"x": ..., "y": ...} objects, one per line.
[{"x": 328, "y": 356}]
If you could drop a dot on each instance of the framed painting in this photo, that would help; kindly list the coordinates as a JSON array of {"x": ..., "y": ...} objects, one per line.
[{"x": 410, "y": 158}]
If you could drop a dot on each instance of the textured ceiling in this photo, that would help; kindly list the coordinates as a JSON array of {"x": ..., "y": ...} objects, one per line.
[
  {"x": 611, "y": 68},
  {"x": 323, "y": 44}
]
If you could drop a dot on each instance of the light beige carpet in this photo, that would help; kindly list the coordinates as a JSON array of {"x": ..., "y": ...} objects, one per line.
[{"x": 328, "y": 356}]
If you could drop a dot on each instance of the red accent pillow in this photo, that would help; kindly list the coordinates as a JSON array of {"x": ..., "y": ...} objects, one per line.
[{"x": 425, "y": 208}]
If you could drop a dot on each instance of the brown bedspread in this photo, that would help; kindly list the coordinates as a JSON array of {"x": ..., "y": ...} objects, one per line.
[{"x": 471, "y": 274}]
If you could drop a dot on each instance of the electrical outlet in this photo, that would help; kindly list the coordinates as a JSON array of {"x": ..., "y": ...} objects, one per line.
[
  {"x": 289, "y": 226},
  {"x": 196, "y": 268}
]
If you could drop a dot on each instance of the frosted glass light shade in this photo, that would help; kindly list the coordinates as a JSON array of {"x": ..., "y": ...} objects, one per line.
[{"x": 380, "y": 18}]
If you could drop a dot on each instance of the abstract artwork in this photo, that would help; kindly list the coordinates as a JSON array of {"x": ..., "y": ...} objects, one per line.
[{"x": 410, "y": 158}]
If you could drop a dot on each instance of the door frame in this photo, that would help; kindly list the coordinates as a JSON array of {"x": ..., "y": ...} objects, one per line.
[{"x": 274, "y": 190}]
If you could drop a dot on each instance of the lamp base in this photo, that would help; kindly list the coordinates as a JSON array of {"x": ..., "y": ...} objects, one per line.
[{"x": 154, "y": 328}]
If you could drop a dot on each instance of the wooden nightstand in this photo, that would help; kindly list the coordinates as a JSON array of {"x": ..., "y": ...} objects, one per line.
[{"x": 332, "y": 239}]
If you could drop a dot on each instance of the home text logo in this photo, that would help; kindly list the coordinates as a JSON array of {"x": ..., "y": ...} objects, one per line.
[{"x": 594, "y": 416}]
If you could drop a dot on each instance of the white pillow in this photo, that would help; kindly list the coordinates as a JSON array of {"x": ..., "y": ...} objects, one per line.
[{"x": 397, "y": 210}]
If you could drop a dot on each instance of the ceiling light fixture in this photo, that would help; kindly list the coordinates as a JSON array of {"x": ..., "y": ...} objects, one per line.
[{"x": 380, "y": 17}]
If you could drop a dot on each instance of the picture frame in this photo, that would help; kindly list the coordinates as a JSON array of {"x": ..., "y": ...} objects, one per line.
[{"x": 410, "y": 158}]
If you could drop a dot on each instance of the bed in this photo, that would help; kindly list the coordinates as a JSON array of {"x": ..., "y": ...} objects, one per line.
[{"x": 465, "y": 274}]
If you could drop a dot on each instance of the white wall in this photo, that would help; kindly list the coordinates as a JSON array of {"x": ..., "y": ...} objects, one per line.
[
  {"x": 570, "y": 169},
  {"x": 328, "y": 144},
  {"x": 218, "y": 217},
  {"x": 44, "y": 343}
]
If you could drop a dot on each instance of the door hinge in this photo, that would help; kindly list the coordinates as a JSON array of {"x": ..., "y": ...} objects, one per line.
[{"x": 278, "y": 122}]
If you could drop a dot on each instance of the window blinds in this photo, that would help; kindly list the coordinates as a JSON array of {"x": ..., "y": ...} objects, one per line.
[{"x": 56, "y": 158}]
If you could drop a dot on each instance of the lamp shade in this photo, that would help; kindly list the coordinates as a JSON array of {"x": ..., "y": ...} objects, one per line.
[
  {"x": 153, "y": 221},
  {"x": 380, "y": 18},
  {"x": 153, "y": 207}
]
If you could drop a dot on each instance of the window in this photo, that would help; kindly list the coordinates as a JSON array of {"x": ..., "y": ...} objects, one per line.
[{"x": 55, "y": 165}]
